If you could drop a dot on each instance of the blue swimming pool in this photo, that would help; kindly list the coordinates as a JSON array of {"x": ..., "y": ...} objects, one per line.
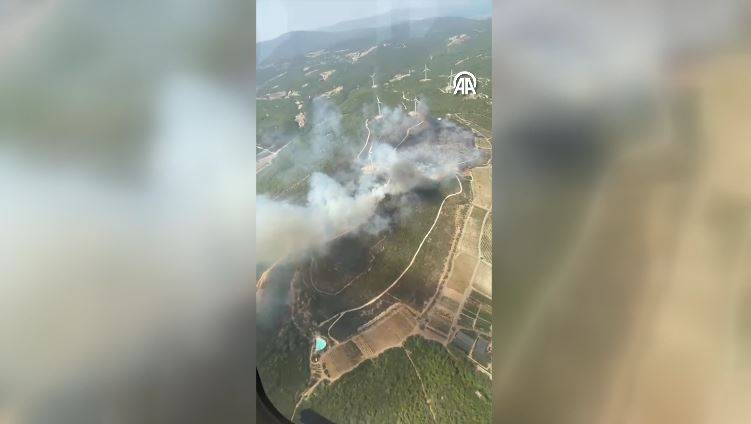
[{"x": 320, "y": 344}]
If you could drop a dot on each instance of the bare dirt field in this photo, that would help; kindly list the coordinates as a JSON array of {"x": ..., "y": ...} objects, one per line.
[
  {"x": 483, "y": 279},
  {"x": 482, "y": 187},
  {"x": 452, "y": 294},
  {"x": 461, "y": 273},
  {"x": 471, "y": 234},
  {"x": 388, "y": 331},
  {"x": 341, "y": 359}
]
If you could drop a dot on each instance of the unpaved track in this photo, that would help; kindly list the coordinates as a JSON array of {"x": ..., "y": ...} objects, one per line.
[
  {"x": 407, "y": 135},
  {"x": 411, "y": 262},
  {"x": 424, "y": 392},
  {"x": 367, "y": 139},
  {"x": 304, "y": 396},
  {"x": 266, "y": 162}
]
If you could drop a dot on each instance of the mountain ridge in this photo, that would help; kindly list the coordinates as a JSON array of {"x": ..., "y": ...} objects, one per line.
[{"x": 297, "y": 43}]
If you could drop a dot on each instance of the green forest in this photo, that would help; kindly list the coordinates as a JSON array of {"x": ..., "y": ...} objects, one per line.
[
  {"x": 382, "y": 390},
  {"x": 387, "y": 389}
]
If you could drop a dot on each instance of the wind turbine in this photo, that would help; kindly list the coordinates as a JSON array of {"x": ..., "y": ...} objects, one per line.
[
  {"x": 415, "y": 104},
  {"x": 426, "y": 71},
  {"x": 372, "y": 77},
  {"x": 451, "y": 80},
  {"x": 379, "y": 105},
  {"x": 405, "y": 99}
]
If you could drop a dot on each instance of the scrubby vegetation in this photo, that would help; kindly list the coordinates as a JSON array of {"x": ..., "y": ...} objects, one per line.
[
  {"x": 387, "y": 389},
  {"x": 283, "y": 366},
  {"x": 419, "y": 284},
  {"x": 383, "y": 390},
  {"x": 452, "y": 383}
]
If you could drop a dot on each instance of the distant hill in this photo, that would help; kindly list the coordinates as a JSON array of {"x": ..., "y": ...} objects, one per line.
[
  {"x": 474, "y": 10},
  {"x": 386, "y": 19},
  {"x": 298, "y": 43}
]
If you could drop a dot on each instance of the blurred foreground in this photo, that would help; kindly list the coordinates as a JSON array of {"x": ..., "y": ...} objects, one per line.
[
  {"x": 623, "y": 259},
  {"x": 126, "y": 178}
]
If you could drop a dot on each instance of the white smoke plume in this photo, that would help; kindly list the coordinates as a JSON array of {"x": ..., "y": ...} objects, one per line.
[{"x": 348, "y": 200}]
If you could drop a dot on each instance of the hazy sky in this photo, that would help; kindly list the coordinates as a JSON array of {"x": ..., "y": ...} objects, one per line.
[{"x": 276, "y": 17}]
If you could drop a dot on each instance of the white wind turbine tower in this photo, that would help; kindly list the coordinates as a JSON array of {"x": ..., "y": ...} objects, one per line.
[
  {"x": 425, "y": 70},
  {"x": 451, "y": 80},
  {"x": 405, "y": 99},
  {"x": 372, "y": 77},
  {"x": 379, "y": 105},
  {"x": 415, "y": 104}
]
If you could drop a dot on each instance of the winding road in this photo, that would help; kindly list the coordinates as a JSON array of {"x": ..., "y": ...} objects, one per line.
[{"x": 411, "y": 262}]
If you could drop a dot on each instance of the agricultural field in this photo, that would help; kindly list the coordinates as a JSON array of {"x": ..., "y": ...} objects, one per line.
[
  {"x": 340, "y": 359},
  {"x": 471, "y": 236},
  {"x": 461, "y": 273},
  {"x": 482, "y": 187},
  {"x": 486, "y": 242},
  {"x": 483, "y": 279},
  {"x": 389, "y": 332}
]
